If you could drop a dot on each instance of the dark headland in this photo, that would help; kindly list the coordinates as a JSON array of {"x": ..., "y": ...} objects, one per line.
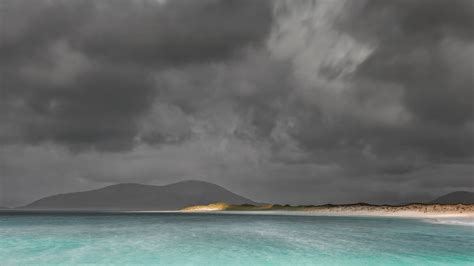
[
  {"x": 457, "y": 197},
  {"x": 138, "y": 197}
]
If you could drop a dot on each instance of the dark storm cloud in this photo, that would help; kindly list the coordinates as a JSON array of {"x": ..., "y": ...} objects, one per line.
[
  {"x": 28, "y": 27},
  {"x": 100, "y": 110},
  {"x": 80, "y": 73},
  {"x": 427, "y": 47},
  {"x": 282, "y": 101},
  {"x": 423, "y": 48},
  {"x": 177, "y": 32},
  {"x": 97, "y": 108},
  {"x": 143, "y": 31},
  {"x": 254, "y": 88}
]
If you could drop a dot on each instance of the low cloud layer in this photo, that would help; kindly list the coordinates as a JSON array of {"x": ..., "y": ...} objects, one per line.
[{"x": 280, "y": 101}]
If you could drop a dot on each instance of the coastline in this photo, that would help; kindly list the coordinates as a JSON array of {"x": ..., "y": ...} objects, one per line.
[
  {"x": 463, "y": 211},
  {"x": 445, "y": 218},
  {"x": 419, "y": 211}
]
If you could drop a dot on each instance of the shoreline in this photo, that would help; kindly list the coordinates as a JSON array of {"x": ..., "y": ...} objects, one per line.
[
  {"x": 457, "y": 219},
  {"x": 433, "y": 216},
  {"x": 359, "y": 209},
  {"x": 330, "y": 213},
  {"x": 416, "y": 210}
]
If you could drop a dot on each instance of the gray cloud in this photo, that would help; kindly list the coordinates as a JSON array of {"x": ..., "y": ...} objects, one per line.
[
  {"x": 175, "y": 32},
  {"x": 399, "y": 98},
  {"x": 78, "y": 72},
  {"x": 427, "y": 48},
  {"x": 283, "y": 101}
]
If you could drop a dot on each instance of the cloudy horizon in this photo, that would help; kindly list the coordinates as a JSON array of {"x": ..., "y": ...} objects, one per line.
[{"x": 299, "y": 102}]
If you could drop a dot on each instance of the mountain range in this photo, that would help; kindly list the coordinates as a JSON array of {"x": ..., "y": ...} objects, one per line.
[
  {"x": 131, "y": 196},
  {"x": 176, "y": 196},
  {"x": 464, "y": 197}
]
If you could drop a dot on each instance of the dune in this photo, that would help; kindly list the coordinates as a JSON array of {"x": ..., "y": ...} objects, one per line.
[{"x": 209, "y": 207}]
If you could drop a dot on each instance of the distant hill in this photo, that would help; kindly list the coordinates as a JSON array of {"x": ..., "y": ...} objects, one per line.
[
  {"x": 132, "y": 196},
  {"x": 463, "y": 197}
]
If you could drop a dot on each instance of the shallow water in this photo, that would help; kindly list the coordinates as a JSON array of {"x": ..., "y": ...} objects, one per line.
[{"x": 230, "y": 239}]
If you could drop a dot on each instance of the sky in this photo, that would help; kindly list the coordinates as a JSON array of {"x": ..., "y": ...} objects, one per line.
[{"x": 300, "y": 102}]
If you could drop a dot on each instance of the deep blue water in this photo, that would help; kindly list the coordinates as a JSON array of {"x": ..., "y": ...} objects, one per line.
[{"x": 229, "y": 239}]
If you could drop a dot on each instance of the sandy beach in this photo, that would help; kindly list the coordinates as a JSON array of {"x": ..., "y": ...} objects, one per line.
[{"x": 431, "y": 211}]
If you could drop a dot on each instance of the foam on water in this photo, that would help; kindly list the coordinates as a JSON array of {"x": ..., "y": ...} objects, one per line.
[
  {"x": 230, "y": 239},
  {"x": 463, "y": 221}
]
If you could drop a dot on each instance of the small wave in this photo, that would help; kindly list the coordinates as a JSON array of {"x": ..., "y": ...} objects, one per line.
[{"x": 453, "y": 221}]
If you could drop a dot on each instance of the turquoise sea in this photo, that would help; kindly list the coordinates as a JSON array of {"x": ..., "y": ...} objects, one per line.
[{"x": 229, "y": 239}]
